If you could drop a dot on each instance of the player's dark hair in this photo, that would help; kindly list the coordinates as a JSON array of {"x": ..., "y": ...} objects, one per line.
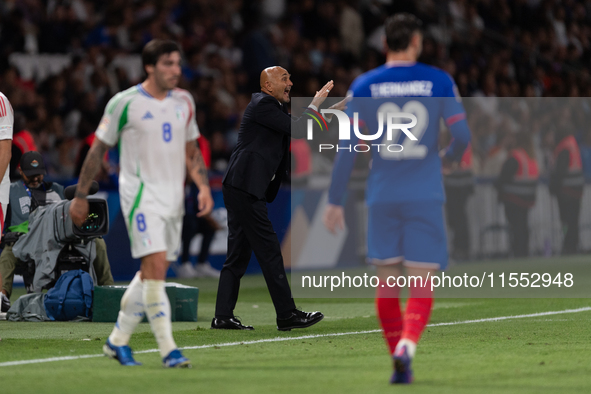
[
  {"x": 399, "y": 30},
  {"x": 156, "y": 48}
]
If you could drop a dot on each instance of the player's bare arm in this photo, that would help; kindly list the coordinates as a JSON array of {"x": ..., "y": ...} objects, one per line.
[
  {"x": 198, "y": 173},
  {"x": 92, "y": 165},
  {"x": 5, "y": 154}
]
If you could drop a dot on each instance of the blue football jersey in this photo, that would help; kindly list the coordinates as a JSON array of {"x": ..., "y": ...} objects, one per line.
[{"x": 412, "y": 173}]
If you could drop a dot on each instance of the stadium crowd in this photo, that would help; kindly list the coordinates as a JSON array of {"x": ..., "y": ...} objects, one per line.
[{"x": 492, "y": 48}]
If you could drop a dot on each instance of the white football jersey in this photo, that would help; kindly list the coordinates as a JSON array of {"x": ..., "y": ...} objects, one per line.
[
  {"x": 152, "y": 135},
  {"x": 6, "y": 124}
]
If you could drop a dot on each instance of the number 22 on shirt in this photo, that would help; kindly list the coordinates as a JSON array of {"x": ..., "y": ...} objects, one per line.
[{"x": 411, "y": 149}]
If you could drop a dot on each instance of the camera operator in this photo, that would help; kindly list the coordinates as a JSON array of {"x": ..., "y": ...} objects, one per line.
[{"x": 25, "y": 195}]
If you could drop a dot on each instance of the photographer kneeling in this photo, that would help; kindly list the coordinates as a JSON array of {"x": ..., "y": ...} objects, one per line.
[{"x": 25, "y": 196}]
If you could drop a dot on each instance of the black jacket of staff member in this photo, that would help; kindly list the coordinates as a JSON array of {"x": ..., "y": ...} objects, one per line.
[
  {"x": 567, "y": 182},
  {"x": 517, "y": 186},
  {"x": 261, "y": 157},
  {"x": 257, "y": 166}
]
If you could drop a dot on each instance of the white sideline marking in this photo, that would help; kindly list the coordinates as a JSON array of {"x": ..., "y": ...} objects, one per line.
[
  {"x": 583, "y": 309},
  {"x": 282, "y": 339}
]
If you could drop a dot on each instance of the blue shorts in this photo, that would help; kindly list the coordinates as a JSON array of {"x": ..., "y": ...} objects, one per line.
[{"x": 409, "y": 232}]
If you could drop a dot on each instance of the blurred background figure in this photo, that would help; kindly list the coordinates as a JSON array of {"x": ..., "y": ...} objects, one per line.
[
  {"x": 459, "y": 186},
  {"x": 193, "y": 225},
  {"x": 517, "y": 186},
  {"x": 22, "y": 142},
  {"x": 301, "y": 163},
  {"x": 566, "y": 183}
]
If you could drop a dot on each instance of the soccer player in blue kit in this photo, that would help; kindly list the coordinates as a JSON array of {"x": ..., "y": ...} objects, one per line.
[{"x": 405, "y": 194}]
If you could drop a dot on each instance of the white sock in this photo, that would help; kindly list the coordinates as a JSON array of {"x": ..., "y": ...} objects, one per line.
[
  {"x": 157, "y": 308},
  {"x": 411, "y": 347},
  {"x": 130, "y": 314}
]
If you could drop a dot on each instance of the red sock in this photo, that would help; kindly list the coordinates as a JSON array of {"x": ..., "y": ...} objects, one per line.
[
  {"x": 388, "y": 310},
  {"x": 417, "y": 312}
]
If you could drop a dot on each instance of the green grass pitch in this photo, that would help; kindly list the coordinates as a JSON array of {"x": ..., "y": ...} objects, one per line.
[{"x": 540, "y": 354}]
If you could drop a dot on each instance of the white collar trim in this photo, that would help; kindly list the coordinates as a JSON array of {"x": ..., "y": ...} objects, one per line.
[{"x": 400, "y": 63}]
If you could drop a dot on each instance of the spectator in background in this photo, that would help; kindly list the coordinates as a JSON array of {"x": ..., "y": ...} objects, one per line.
[
  {"x": 490, "y": 48},
  {"x": 566, "y": 183},
  {"x": 301, "y": 163},
  {"x": 220, "y": 154},
  {"x": 459, "y": 185},
  {"x": 498, "y": 154},
  {"x": 547, "y": 147},
  {"x": 22, "y": 142},
  {"x": 517, "y": 186},
  {"x": 193, "y": 225},
  {"x": 585, "y": 149}
]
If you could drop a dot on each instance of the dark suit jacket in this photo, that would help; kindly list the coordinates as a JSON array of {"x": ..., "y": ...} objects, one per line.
[{"x": 263, "y": 147}]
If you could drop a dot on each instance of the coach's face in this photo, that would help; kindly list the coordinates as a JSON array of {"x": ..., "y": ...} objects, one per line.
[
  {"x": 167, "y": 70},
  {"x": 279, "y": 84}
]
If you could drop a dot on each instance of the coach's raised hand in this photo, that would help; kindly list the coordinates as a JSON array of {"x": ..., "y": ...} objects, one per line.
[{"x": 322, "y": 94}]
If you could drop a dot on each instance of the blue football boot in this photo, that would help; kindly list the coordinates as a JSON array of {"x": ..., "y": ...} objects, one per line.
[
  {"x": 176, "y": 360},
  {"x": 123, "y": 354},
  {"x": 402, "y": 372}
]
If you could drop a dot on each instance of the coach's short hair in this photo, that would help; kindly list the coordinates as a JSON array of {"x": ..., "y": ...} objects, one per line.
[
  {"x": 156, "y": 48},
  {"x": 399, "y": 30}
]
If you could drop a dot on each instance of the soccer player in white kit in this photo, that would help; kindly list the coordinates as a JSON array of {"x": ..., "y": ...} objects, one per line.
[
  {"x": 154, "y": 123},
  {"x": 6, "y": 124}
]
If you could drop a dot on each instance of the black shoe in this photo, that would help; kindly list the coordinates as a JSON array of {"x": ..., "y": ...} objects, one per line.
[
  {"x": 4, "y": 303},
  {"x": 229, "y": 324},
  {"x": 299, "y": 319}
]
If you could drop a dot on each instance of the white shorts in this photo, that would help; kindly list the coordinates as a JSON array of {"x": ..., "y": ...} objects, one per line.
[{"x": 151, "y": 233}]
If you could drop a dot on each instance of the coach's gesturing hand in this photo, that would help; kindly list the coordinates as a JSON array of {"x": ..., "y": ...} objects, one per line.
[
  {"x": 322, "y": 94},
  {"x": 341, "y": 106}
]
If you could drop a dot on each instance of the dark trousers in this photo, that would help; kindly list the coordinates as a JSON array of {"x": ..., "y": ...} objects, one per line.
[
  {"x": 250, "y": 230},
  {"x": 193, "y": 225},
  {"x": 457, "y": 219},
  {"x": 517, "y": 216},
  {"x": 569, "y": 208}
]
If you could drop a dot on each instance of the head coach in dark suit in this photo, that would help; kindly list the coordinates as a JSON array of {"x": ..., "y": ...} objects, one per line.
[{"x": 257, "y": 165}]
